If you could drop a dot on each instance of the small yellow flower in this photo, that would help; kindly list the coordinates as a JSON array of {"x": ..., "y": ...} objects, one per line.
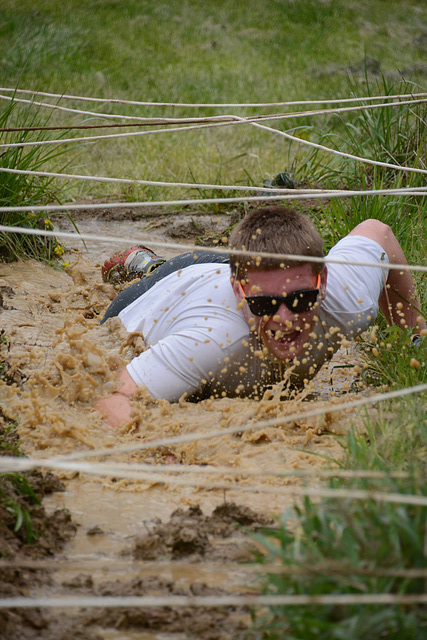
[
  {"x": 59, "y": 250},
  {"x": 48, "y": 224}
]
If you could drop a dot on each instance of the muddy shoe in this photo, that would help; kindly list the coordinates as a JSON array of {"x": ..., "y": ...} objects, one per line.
[
  {"x": 416, "y": 341},
  {"x": 136, "y": 262},
  {"x": 282, "y": 180}
]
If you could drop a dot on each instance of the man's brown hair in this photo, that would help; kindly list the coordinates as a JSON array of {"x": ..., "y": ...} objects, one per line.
[{"x": 274, "y": 229}]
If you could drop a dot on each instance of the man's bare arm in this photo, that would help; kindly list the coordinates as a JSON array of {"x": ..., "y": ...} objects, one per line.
[
  {"x": 116, "y": 409},
  {"x": 400, "y": 285}
]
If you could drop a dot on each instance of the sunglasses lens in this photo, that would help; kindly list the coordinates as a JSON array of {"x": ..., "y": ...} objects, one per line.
[
  {"x": 300, "y": 302},
  {"x": 303, "y": 301},
  {"x": 262, "y": 305}
]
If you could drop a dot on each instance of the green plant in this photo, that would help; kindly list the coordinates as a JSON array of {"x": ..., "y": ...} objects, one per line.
[
  {"x": 394, "y": 135},
  {"x": 9, "y": 441},
  {"x": 22, "y": 516},
  {"x": 347, "y": 546},
  {"x": 25, "y": 190},
  {"x": 390, "y": 134},
  {"x": 392, "y": 360},
  {"x": 14, "y": 501},
  {"x": 393, "y": 438}
]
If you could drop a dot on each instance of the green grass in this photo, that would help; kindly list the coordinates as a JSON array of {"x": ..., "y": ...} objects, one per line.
[
  {"x": 15, "y": 493},
  {"x": 347, "y": 547},
  {"x": 25, "y": 190},
  {"x": 9, "y": 441},
  {"x": 393, "y": 438},
  {"x": 195, "y": 51},
  {"x": 392, "y": 359}
]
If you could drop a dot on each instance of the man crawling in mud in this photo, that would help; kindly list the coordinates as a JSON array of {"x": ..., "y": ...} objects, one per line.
[{"x": 219, "y": 325}]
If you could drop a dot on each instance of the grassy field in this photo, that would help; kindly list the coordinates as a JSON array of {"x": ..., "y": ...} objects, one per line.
[{"x": 212, "y": 52}]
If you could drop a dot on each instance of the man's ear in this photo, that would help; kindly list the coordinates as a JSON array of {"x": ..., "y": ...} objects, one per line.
[
  {"x": 323, "y": 281},
  {"x": 236, "y": 289},
  {"x": 239, "y": 295}
]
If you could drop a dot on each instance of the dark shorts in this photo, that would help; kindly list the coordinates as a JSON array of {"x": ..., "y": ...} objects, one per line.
[{"x": 136, "y": 290}]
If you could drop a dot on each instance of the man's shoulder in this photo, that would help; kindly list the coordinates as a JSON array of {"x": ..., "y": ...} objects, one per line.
[
  {"x": 194, "y": 281},
  {"x": 185, "y": 298},
  {"x": 356, "y": 244}
]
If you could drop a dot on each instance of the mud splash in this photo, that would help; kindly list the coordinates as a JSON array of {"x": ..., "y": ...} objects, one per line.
[{"x": 63, "y": 361}]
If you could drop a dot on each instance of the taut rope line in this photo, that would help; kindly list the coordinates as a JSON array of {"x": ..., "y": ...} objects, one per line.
[{"x": 190, "y": 247}]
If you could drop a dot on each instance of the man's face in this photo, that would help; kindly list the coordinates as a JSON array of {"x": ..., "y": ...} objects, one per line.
[{"x": 285, "y": 332}]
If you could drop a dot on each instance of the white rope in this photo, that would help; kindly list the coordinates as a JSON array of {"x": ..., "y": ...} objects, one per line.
[
  {"x": 226, "y": 119},
  {"x": 212, "y": 104},
  {"x": 10, "y": 463},
  {"x": 222, "y": 118},
  {"x": 56, "y": 107},
  {"x": 282, "y": 194},
  {"x": 189, "y": 247},
  {"x": 237, "y": 120},
  {"x": 316, "y": 492},
  {"x": 342, "y": 154},
  {"x": 88, "y": 563},
  {"x": 234, "y": 120},
  {"x": 112, "y": 136},
  {"x": 196, "y": 185},
  {"x": 214, "y": 601},
  {"x": 156, "y": 183}
]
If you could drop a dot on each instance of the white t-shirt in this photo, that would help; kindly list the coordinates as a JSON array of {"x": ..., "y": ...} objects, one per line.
[{"x": 201, "y": 345}]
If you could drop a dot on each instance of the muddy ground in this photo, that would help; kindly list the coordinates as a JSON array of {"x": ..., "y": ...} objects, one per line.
[{"x": 164, "y": 534}]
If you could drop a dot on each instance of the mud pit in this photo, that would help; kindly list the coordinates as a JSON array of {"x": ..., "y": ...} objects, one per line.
[{"x": 153, "y": 535}]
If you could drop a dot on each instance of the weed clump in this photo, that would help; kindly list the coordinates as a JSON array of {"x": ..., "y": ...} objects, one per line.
[
  {"x": 15, "y": 494},
  {"x": 393, "y": 359},
  {"x": 352, "y": 547},
  {"x": 21, "y": 189}
]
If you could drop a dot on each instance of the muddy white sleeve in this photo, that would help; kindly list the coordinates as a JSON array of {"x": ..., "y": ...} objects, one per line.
[{"x": 179, "y": 363}]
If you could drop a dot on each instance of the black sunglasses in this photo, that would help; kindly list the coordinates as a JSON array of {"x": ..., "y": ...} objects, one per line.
[{"x": 297, "y": 301}]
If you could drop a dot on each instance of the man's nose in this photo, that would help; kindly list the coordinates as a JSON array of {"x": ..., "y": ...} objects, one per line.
[{"x": 284, "y": 315}]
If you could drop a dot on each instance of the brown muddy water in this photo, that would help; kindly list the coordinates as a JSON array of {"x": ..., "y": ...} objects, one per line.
[{"x": 152, "y": 535}]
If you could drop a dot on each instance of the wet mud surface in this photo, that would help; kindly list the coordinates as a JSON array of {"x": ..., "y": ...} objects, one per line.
[
  {"x": 191, "y": 533},
  {"x": 178, "y": 529}
]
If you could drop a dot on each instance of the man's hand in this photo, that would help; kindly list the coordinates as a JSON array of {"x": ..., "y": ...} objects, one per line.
[{"x": 116, "y": 409}]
